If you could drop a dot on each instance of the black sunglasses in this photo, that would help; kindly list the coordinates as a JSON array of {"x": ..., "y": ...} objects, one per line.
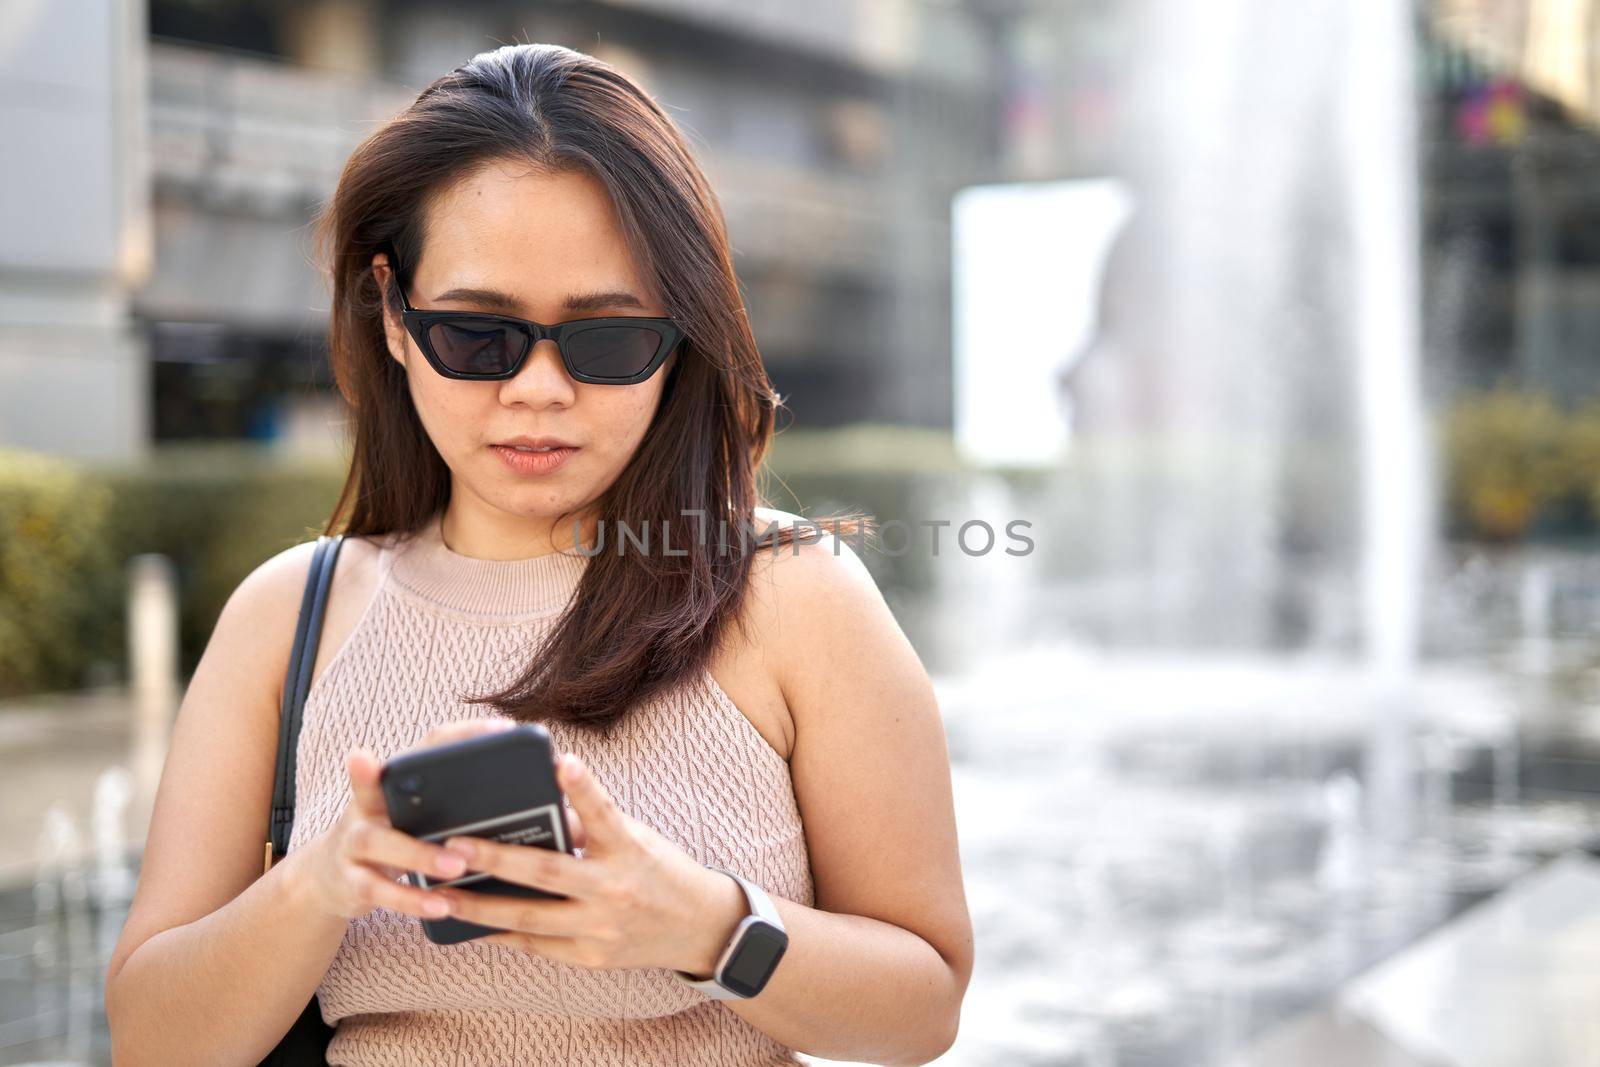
[{"x": 481, "y": 347}]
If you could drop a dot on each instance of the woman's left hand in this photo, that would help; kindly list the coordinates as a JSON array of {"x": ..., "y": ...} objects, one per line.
[{"x": 635, "y": 899}]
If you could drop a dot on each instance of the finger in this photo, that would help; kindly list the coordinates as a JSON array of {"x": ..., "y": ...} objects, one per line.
[
  {"x": 380, "y": 843},
  {"x": 552, "y": 918},
  {"x": 602, "y": 819},
  {"x": 423, "y": 903},
  {"x": 575, "y": 831},
  {"x": 530, "y": 865},
  {"x": 366, "y": 796},
  {"x": 461, "y": 729}
]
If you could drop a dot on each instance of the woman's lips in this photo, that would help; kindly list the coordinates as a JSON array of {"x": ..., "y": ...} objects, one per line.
[{"x": 533, "y": 462}]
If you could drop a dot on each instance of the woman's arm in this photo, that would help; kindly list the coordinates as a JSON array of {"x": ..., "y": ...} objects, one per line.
[
  {"x": 216, "y": 960},
  {"x": 877, "y": 969},
  {"x": 225, "y": 987}
]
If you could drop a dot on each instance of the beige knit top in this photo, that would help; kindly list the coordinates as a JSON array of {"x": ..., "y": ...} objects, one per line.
[{"x": 688, "y": 764}]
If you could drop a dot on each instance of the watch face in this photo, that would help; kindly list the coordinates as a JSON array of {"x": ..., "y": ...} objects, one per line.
[{"x": 755, "y": 958}]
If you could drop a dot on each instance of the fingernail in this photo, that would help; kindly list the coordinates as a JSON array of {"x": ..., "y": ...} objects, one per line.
[
  {"x": 437, "y": 907},
  {"x": 460, "y": 847},
  {"x": 451, "y": 865}
]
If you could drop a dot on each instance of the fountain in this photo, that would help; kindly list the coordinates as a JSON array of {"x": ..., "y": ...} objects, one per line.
[
  {"x": 114, "y": 878},
  {"x": 1341, "y": 868},
  {"x": 1379, "y": 149},
  {"x": 1225, "y": 617},
  {"x": 66, "y": 977},
  {"x": 1535, "y": 604}
]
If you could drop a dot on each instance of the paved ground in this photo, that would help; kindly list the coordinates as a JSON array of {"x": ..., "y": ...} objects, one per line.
[
  {"x": 54, "y": 751},
  {"x": 1510, "y": 982}
]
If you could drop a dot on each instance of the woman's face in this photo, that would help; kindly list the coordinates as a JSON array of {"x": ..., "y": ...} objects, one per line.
[{"x": 540, "y": 239}]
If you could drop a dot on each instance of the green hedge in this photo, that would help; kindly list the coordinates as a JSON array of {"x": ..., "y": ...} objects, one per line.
[
  {"x": 1518, "y": 465},
  {"x": 54, "y": 566},
  {"x": 217, "y": 513},
  {"x": 67, "y": 531}
]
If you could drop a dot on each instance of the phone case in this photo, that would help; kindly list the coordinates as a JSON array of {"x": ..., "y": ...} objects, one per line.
[{"x": 500, "y": 786}]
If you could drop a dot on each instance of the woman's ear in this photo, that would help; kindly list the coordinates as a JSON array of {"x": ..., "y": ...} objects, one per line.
[{"x": 394, "y": 331}]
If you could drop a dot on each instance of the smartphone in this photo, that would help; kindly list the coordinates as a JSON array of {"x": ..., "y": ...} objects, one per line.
[{"x": 500, "y": 785}]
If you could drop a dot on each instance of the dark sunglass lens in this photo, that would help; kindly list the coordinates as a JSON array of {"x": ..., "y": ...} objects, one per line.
[
  {"x": 469, "y": 347},
  {"x": 612, "y": 351}
]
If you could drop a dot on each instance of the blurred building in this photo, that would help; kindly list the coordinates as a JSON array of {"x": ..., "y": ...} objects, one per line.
[
  {"x": 1511, "y": 211},
  {"x": 74, "y": 215},
  {"x": 835, "y": 134}
]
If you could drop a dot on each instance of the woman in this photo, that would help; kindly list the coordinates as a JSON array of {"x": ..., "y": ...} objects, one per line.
[{"x": 716, "y": 704}]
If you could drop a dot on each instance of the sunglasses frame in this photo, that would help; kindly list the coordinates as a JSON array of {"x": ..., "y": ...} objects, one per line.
[{"x": 419, "y": 322}]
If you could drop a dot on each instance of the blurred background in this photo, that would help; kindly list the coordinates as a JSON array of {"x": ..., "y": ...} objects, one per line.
[{"x": 1275, "y": 324}]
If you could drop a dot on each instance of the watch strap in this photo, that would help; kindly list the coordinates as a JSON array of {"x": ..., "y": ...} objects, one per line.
[{"x": 761, "y": 907}]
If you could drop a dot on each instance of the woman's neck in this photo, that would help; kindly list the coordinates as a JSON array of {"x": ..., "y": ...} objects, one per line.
[{"x": 492, "y": 534}]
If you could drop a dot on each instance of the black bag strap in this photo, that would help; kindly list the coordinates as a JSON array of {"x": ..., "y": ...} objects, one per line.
[{"x": 302, "y": 658}]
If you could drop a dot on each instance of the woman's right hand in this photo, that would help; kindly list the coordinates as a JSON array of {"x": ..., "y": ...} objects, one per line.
[{"x": 356, "y": 864}]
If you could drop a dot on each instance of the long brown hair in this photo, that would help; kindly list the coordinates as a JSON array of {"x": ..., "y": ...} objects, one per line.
[{"x": 640, "y": 622}]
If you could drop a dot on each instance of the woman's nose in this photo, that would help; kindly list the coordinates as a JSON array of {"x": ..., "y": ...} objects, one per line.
[{"x": 543, "y": 379}]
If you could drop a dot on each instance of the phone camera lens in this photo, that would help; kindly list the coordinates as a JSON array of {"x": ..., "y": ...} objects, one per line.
[{"x": 411, "y": 783}]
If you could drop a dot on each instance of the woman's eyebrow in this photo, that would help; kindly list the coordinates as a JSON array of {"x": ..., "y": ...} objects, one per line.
[{"x": 509, "y": 304}]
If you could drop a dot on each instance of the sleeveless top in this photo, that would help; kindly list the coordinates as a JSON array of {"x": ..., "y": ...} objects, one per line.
[{"x": 442, "y": 625}]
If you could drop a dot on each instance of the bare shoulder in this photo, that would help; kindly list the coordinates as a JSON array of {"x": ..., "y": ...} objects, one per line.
[
  {"x": 268, "y": 598},
  {"x": 255, "y": 630},
  {"x": 787, "y": 589},
  {"x": 268, "y": 601},
  {"x": 281, "y": 579},
  {"x": 250, "y": 644},
  {"x": 816, "y": 567},
  {"x": 807, "y": 595}
]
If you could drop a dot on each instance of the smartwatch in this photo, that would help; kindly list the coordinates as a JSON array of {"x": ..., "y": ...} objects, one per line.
[{"x": 753, "y": 952}]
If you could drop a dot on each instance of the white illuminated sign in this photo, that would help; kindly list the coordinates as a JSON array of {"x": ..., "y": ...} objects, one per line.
[{"x": 1027, "y": 260}]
